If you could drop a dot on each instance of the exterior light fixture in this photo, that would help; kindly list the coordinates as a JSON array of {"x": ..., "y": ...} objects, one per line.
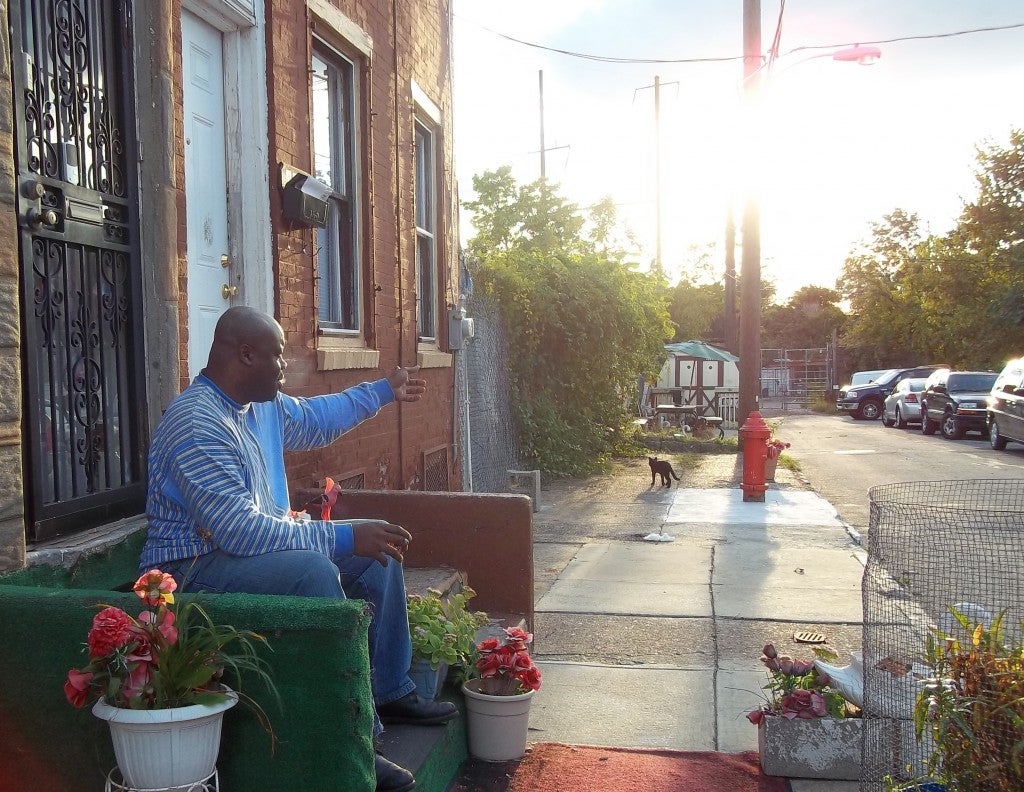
[{"x": 865, "y": 56}]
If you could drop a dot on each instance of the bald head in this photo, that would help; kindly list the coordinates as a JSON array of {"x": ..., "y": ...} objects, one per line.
[{"x": 246, "y": 359}]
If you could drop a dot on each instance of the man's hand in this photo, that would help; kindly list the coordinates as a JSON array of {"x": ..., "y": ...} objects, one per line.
[
  {"x": 377, "y": 539},
  {"x": 406, "y": 386}
]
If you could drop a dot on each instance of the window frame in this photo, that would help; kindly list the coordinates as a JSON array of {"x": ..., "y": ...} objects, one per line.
[
  {"x": 425, "y": 210},
  {"x": 340, "y": 292}
]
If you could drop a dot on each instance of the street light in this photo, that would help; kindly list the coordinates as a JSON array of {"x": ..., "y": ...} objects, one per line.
[{"x": 750, "y": 273}]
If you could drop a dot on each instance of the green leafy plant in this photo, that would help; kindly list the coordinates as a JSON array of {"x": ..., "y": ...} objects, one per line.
[
  {"x": 796, "y": 689},
  {"x": 166, "y": 657},
  {"x": 582, "y": 322},
  {"x": 972, "y": 708},
  {"x": 443, "y": 629}
]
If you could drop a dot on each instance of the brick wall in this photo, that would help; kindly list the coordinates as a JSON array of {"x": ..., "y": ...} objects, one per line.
[{"x": 409, "y": 42}]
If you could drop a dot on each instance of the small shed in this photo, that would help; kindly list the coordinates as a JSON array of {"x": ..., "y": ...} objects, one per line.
[{"x": 700, "y": 374}]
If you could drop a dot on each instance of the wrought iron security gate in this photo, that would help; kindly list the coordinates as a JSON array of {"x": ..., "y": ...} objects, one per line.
[{"x": 80, "y": 279}]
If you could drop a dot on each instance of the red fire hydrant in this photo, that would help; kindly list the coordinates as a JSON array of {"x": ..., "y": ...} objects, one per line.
[{"x": 755, "y": 434}]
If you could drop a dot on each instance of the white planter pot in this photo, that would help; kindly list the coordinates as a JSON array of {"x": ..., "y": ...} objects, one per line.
[
  {"x": 166, "y": 749},
  {"x": 811, "y": 747},
  {"x": 496, "y": 725}
]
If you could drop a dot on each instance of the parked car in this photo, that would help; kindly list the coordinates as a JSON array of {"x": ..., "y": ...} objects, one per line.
[
  {"x": 866, "y": 401},
  {"x": 903, "y": 404},
  {"x": 1005, "y": 411},
  {"x": 955, "y": 402}
]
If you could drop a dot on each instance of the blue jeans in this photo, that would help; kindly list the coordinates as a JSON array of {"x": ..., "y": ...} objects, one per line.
[{"x": 307, "y": 573}]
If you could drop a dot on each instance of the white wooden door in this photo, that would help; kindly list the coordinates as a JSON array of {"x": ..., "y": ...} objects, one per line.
[{"x": 205, "y": 184}]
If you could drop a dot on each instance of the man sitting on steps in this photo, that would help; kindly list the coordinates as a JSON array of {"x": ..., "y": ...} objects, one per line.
[{"x": 218, "y": 506}]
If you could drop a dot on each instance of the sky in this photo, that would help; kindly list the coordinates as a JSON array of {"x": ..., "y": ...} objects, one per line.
[{"x": 830, "y": 148}]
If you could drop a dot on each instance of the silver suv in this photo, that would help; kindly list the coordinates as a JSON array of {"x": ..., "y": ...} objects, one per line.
[{"x": 1005, "y": 413}]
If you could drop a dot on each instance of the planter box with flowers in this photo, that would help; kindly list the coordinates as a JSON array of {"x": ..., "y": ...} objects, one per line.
[
  {"x": 498, "y": 696},
  {"x": 805, "y": 728},
  {"x": 317, "y": 655},
  {"x": 156, "y": 680}
]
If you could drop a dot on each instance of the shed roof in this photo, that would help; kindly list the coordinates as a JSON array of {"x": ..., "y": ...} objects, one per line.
[{"x": 699, "y": 349}]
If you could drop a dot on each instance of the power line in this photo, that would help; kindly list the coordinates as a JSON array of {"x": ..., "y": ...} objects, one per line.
[{"x": 727, "y": 58}]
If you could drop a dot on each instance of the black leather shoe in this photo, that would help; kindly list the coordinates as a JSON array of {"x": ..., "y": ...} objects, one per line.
[
  {"x": 413, "y": 709},
  {"x": 391, "y": 777}
]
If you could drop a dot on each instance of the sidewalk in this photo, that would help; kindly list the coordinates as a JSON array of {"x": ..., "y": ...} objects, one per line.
[{"x": 657, "y": 643}]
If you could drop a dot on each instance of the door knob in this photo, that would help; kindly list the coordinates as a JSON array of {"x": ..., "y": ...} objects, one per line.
[
  {"x": 225, "y": 260},
  {"x": 227, "y": 292},
  {"x": 35, "y": 218}
]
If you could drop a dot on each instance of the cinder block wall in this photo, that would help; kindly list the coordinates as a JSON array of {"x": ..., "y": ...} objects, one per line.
[{"x": 410, "y": 41}]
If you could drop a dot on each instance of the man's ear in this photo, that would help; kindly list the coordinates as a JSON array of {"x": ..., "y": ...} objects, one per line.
[{"x": 246, "y": 354}]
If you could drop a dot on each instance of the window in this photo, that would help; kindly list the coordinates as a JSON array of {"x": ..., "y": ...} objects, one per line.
[
  {"x": 426, "y": 242},
  {"x": 335, "y": 127}
]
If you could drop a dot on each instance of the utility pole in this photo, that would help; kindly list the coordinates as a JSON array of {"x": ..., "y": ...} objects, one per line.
[
  {"x": 750, "y": 281},
  {"x": 540, "y": 85},
  {"x": 659, "y": 268},
  {"x": 730, "y": 281}
]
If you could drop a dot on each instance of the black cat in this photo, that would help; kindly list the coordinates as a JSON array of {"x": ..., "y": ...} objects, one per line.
[{"x": 663, "y": 468}]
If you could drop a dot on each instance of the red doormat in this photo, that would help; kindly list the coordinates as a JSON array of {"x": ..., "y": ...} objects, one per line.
[{"x": 553, "y": 767}]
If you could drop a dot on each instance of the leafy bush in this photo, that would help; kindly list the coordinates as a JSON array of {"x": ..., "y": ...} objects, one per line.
[{"x": 973, "y": 709}]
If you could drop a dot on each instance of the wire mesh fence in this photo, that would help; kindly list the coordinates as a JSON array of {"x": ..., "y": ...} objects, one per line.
[
  {"x": 493, "y": 447},
  {"x": 943, "y": 596}
]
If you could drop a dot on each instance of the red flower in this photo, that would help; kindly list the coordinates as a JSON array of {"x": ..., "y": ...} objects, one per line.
[
  {"x": 111, "y": 629},
  {"x": 155, "y": 587},
  {"x": 506, "y": 663},
  {"x": 76, "y": 688},
  {"x": 166, "y": 625}
]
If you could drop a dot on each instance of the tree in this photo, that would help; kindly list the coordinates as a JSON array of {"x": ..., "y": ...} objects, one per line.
[
  {"x": 956, "y": 299},
  {"x": 807, "y": 320},
  {"x": 581, "y": 324},
  {"x": 878, "y": 282}
]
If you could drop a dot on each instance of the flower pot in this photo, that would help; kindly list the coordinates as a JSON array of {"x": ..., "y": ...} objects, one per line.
[
  {"x": 166, "y": 749},
  {"x": 428, "y": 681},
  {"x": 497, "y": 725},
  {"x": 770, "y": 464},
  {"x": 811, "y": 747}
]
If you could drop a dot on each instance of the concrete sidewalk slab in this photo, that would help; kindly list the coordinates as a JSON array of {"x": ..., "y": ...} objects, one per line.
[
  {"x": 792, "y": 583},
  {"x": 663, "y": 579},
  {"x": 679, "y": 562},
  {"x": 648, "y": 707},
  {"x": 628, "y": 598},
  {"x": 789, "y": 507}
]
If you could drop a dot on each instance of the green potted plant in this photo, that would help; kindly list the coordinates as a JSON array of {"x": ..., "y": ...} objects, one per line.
[
  {"x": 443, "y": 632},
  {"x": 806, "y": 729},
  {"x": 498, "y": 696},
  {"x": 157, "y": 680}
]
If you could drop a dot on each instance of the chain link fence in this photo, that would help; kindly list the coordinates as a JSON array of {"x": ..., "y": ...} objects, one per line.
[
  {"x": 493, "y": 448},
  {"x": 943, "y": 594}
]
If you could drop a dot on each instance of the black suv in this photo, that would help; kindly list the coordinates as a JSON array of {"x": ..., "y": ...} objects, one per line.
[
  {"x": 954, "y": 402},
  {"x": 865, "y": 401}
]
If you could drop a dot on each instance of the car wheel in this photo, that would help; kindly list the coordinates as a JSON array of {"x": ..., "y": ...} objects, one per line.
[
  {"x": 901, "y": 422},
  {"x": 951, "y": 428},
  {"x": 928, "y": 426},
  {"x": 887, "y": 421},
  {"x": 996, "y": 440},
  {"x": 871, "y": 409}
]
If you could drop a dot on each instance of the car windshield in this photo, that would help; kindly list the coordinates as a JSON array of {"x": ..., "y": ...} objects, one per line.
[
  {"x": 971, "y": 382},
  {"x": 887, "y": 377}
]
